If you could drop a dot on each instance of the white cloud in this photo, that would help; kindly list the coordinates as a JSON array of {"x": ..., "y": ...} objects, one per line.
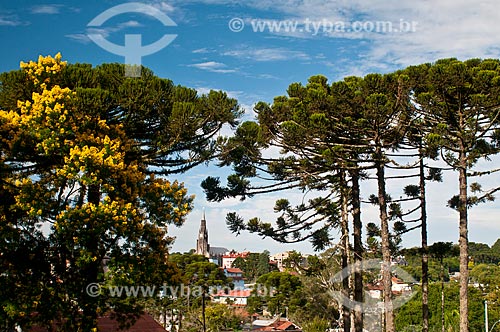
[
  {"x": 49, "y": 9},
  {"x": 444, "y": 28},
  {"x": 231, "y": 94},
  {"x": 267, "y": 54},
  {"x": 104, "y": 31},
  {"x": 267, "y": 77},
  {"x": 213, "y": 66},
  {"x": 130, "y": 24},
  {"x": 79, "y": 37},
  {"x": 163, "y": 6},
  {"x": 201, "y": 51},
  {"x": 12, "y": 21}
]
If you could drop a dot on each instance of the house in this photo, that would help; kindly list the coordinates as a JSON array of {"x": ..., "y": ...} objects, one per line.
[
  {"x": 236, "y": 275},
  {"x": 279, "y": 258},
  {"x": 228, "y": 259},
  {"x": 235, "y": 298},
  {"x": 399, "y": 260},
  {"x": 277, "y": 324},
  {"x": 375, "y": 290},
  {"x": 145, "y": 323},
  {"x": 398, "y": 287},
  {"x": 455, "y": 276}
]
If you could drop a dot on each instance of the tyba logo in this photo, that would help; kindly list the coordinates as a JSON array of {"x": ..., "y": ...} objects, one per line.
[{"x": 132, "y": 50}]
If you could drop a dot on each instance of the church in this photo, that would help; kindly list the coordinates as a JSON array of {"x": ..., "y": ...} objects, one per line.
[{"x": 214, "y": 254}]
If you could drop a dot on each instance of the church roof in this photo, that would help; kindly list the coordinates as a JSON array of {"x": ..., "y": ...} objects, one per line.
[{"x": 217, "y": 251}]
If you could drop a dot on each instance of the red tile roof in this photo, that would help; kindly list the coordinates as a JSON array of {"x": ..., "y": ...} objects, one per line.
[
  {"x": 236, "y": 293},
  {"x": 236, "y": 255},
  {"x": 144, "y": 323},
  {"x": 284, "y": 326},
  {"x": 279, "y": 326},
  {"x": 397, "y": 281},
  {"x": 233, "y": 270}
]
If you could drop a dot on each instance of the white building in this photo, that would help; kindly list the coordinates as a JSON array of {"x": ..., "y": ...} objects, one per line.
[
  {"x": 229, "y": 258},
  {"x": 279, "y": 258},
  {"x": 234, "y": 297}
]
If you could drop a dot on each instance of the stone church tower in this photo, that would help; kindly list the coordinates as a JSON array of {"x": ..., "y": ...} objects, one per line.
[{"x": 202, "y": 246}]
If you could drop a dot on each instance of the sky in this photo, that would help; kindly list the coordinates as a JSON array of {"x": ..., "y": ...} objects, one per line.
[{"x": 253, "y": 50}]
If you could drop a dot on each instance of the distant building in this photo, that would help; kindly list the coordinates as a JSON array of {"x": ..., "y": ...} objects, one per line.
[
  {"x": 455, "y": 276},
  {"x": 202, "y": 246},
  {"x": 228, "y": 259},
  {"x": 107, "y": 323},
  {"x": 279, "y": 259},
  {"x": 398, "y": 287},
  {"x": 214, "y": 254},
  {"x": 235, "y": 298},
  {"x": 399, "y": 260},
  {"x": 236, "y": 275},
  {"x": 276, "y": 324}
]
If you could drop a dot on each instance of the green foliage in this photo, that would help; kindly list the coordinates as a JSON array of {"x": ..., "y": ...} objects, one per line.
[
  {"x": 411, "y": 312},
  {"x": 282, "y": 290},
  {"x": 482, "y": 253},
  {"x": 316, "y": 325},
  {"x": 219, "y": 317},
  {"x": 253, "y": 265}
]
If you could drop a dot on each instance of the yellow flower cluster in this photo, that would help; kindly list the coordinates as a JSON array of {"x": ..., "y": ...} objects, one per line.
[
  {"x": 40, "y": 71},
  {"x": 46, "y": 118},
  {"x": 9, "y": 125},
  {"x": 100, "y": 163},
  {"x": 174, "y": 204},
  {"x": 116, "y": 214},
  {"x": 97, "y": 156},
  {"x": 32, "y": 196}
]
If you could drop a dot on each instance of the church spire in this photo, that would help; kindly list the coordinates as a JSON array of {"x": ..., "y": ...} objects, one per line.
[{"x": 202, "y": 246}]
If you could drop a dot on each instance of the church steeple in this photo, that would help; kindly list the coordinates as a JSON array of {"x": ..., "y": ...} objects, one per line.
[{"x": 202, "y": 246}]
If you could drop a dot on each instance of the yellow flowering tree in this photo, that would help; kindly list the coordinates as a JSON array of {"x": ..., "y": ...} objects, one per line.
[{"x": 77, "y": 193}]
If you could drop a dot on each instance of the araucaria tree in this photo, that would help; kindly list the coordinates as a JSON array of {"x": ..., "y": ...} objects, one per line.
[
  {"x": 82, "y": 206},
  {"x": 328, "y": 136},
  {"x": 303, "y": 126},
  {"x": 460, "y": 102}
]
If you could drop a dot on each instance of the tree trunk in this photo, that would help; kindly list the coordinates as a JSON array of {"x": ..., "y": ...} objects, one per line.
[
  {"x": 386, "y": 253},
  {"x": 441, "y": 276},
  {"x": 344, "y": 219},
  {"x": 463, "y": 244},
  {"x": 358, "y": 250},
  {"x": 425, "y": 251},
  {"x": 91, "y": 270}
]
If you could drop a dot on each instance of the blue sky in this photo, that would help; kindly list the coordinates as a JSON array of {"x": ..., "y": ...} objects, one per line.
[{"x": 333, "y": 38}]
